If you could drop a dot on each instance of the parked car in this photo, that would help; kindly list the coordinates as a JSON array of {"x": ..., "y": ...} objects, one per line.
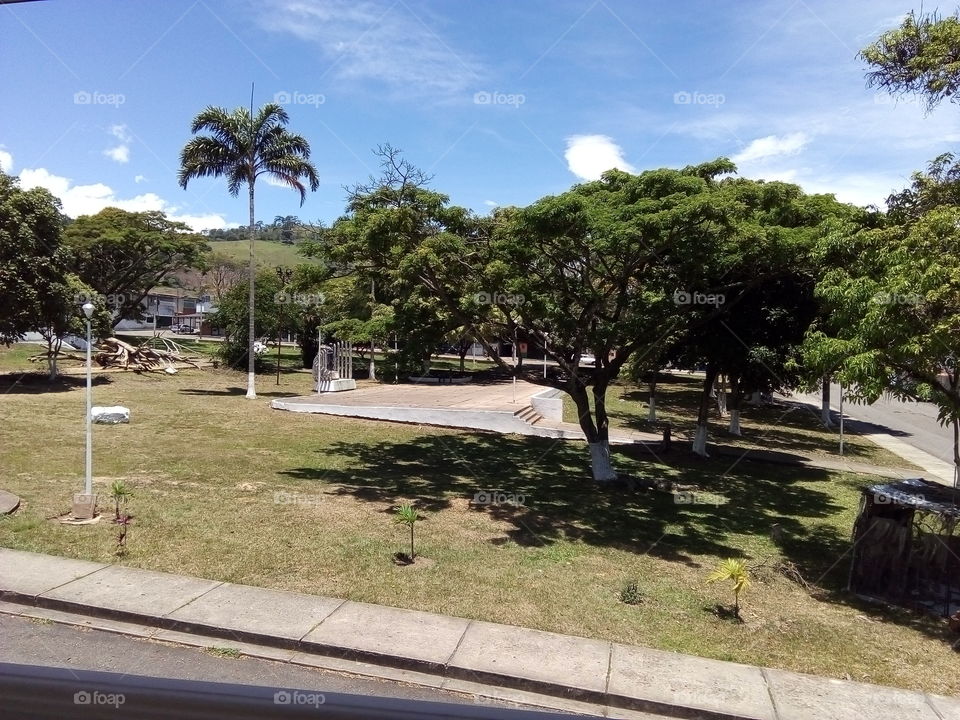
[{"x": 183, "y": 330}]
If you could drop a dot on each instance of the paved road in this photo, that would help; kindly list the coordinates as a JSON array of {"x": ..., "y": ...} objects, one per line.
[
  {"x": 912, "y": 422},
  {"x": 56, "y": 645}
]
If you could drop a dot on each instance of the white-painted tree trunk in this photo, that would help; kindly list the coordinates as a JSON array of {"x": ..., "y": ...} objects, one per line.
[
  {"x": 600, "y": 462},
  {"x": 735, "y": 422},
  {"x": 373, "y": 362},
  {"x": 722, "y": 396},
  {"x": 755, "y": 398},
  {"x": 652, "y": 409},
  {"x": 700, "y": 441},
  {"x": 825, "y": 403}
]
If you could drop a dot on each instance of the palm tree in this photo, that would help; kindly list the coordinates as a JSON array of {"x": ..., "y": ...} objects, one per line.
[{"x": 242, "y": 147}]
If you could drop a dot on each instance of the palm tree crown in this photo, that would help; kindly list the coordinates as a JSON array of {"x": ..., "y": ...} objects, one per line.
[{"x": 242, "y": 148}]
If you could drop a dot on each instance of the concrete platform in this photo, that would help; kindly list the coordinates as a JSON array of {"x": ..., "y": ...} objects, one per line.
[{"x": 502, "y": 407}]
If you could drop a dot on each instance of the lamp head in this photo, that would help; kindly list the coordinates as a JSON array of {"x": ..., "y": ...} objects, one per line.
[{"x": 88, "y": 309}]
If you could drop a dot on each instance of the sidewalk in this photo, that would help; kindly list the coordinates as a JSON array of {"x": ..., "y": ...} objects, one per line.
[
  {"x": 580, "y": 674},
  {"x": 934, "y": 468}
]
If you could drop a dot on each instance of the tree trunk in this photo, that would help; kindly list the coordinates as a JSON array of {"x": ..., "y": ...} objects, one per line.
[
  {"x": 53, "y": 350},
  {"x": 598, "y": 439},
  {"x": 373, "y": 360},
  {"x": 825, "y": 402},
  {"x": 700, "y": 437},
  {"x": 755, "y": 398},
  {"x": 252, "y": 297},
  {"x": 734, "y": 405},
  {"x": 463, "y": 362},
  {"x": 722, "y": 396},
  {"x": 652, "y": 402}
]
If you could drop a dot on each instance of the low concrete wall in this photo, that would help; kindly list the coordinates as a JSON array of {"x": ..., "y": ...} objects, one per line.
[
  {"x": 495, "y": 421},
  {"x": 549, "y": 404}
]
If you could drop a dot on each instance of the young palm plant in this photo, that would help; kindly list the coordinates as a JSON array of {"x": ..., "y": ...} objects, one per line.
[
  {"x": 406, "y": 514},
  {"x": 242, "y": 146},
  {"x": 120, "y": 492},
  {"x": 735, "y": 571}
]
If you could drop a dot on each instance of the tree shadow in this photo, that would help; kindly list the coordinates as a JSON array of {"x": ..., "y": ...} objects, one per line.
[
  {"x": 38, "y": 383},
  {"x": 542, "y": 489},
  {"x": 238, "y": 391}
]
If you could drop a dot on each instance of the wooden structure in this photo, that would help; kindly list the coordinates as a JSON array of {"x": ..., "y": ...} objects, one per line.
[{"x": 905, "y": 547}]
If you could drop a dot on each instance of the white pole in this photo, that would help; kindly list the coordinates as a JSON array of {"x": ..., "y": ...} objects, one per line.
[
  {"x": 841, "y": 419},
  {"x": 88, "y": 483},
  {"x": 544, "y": 358}
]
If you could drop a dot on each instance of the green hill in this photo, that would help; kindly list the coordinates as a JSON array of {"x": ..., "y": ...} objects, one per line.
[{"x": 269, "y": 254}]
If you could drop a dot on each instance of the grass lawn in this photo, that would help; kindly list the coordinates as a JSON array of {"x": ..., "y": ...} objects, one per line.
[
  {"x": 265, "y": 253},
  {"x": 785, "y": 428},
  {"x": 207, "y": 465}
]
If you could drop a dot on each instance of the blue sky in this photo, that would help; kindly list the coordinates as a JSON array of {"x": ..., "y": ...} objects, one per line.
[{"x": 502, "y": 101}]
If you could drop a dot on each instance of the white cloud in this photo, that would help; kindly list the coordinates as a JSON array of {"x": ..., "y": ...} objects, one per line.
[
  {"x": 139, "y": 179},
  {"x": 491, "y": 203},
  {"x": 589, "y": 156},
  {"x": 366, "y": 40},
  {"x": 772, "y": 146},
  {"x": 120, "y": 153},
  {"x": 6, "y": 161},
  {"x": 90, "y": 199}
]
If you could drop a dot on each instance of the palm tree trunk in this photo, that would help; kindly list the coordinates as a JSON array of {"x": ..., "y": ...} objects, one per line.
[{"x": 251, "y": 358}]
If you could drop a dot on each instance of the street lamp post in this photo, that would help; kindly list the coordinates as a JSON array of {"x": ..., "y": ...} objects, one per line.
[{"x": 88, "y": 309}]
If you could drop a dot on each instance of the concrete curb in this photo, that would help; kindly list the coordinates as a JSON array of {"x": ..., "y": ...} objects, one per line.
[{"x": 440, "y": 649}]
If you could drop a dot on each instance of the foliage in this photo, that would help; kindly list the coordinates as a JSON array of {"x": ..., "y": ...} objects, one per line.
[
  {"x": 918, "y": 57},
  {"x": 122, "y": 255},
  {"x": 32, "y": 259},
  {"x": 735, "y": 571}
]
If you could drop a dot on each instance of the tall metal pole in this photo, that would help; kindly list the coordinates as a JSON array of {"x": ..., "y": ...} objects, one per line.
[
  {"x": 841, "y": 419},
  {"x": 544, "y": 357},
  {"x": 88, "y": 482}
]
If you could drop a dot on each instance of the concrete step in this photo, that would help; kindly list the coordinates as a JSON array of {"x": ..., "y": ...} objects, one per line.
[{"x": 529, "y": 415}]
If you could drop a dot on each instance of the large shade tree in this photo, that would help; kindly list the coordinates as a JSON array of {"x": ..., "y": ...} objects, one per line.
[
  {"x": 242, "y": 146},
  {"x": 122, "y": 255},
  {"x": 591, "y": 271},
  {"x": 32, "y": 260}
]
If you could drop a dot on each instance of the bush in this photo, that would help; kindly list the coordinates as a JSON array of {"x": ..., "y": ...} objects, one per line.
[{"x": 630, "y": 594}]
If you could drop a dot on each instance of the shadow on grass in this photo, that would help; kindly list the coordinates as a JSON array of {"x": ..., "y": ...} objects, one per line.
[
  {"x": 555, "y": 499},
  {"x": 36, "y": 383},
  {"x": 240, "y": 391},
  {"x": 791, "y": 428}
]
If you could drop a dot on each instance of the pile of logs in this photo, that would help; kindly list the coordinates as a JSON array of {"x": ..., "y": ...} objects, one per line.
[{"x": 116, "y": 353}]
